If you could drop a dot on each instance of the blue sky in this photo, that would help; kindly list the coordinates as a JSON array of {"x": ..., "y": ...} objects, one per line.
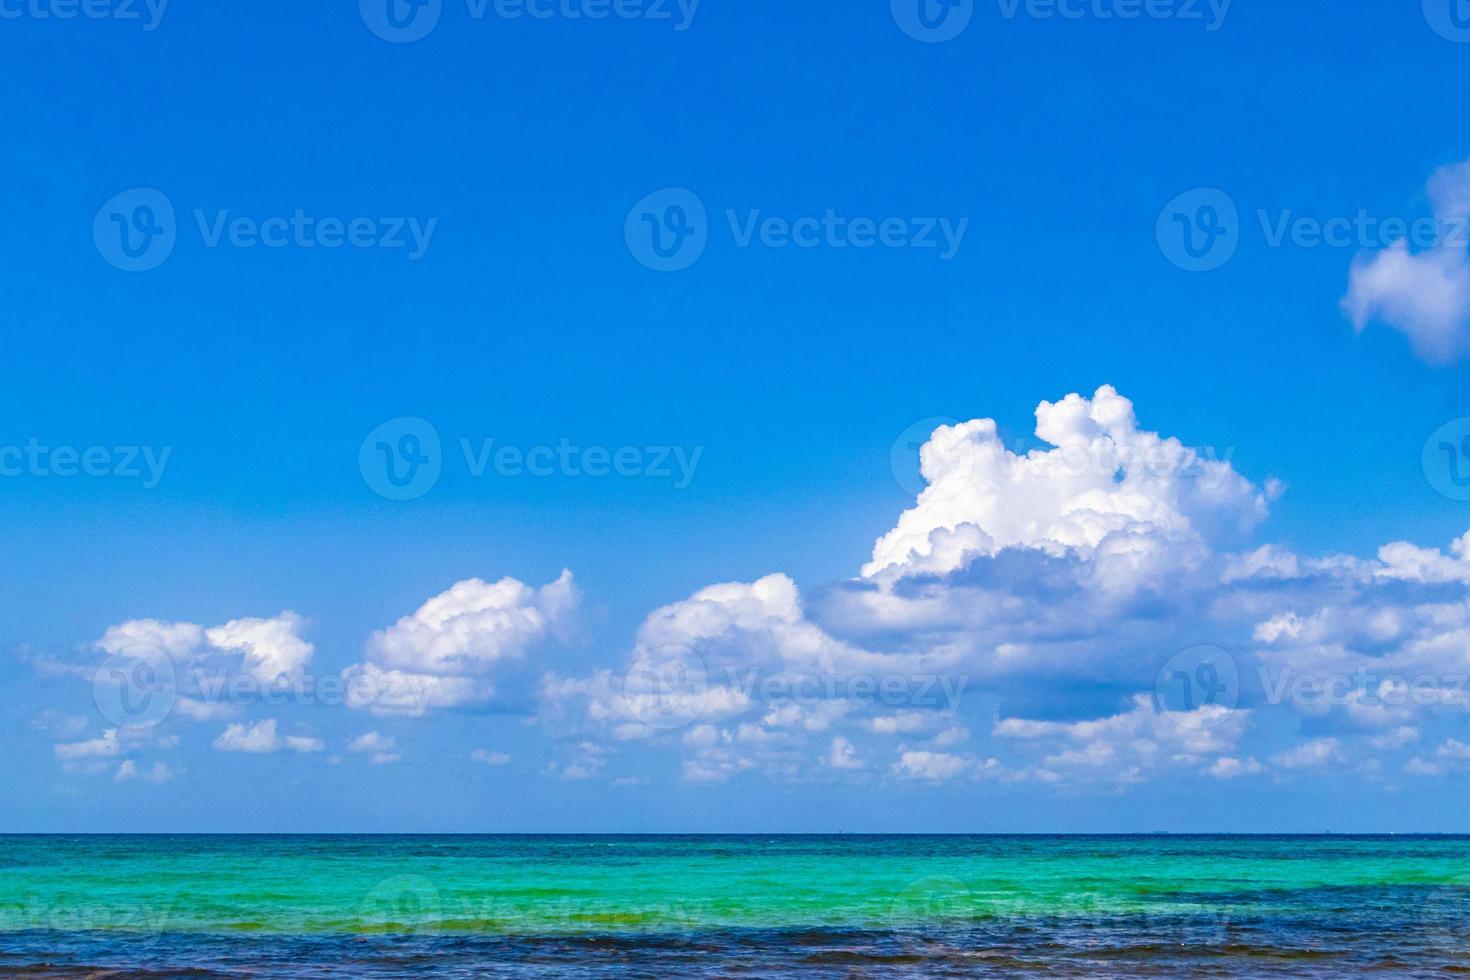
[{"x": 526, "y": 145}]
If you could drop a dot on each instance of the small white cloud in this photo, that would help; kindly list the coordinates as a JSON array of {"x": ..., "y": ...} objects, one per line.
[
  {"x": 842, "y": 755},
  {"x": 474, "y": 624},
  {"x": 953, "y": 735},
  {"x": 261, "y": 738},
  {"x": 55, "y": 724},
  {"x": 195, "y": 709},
  {"x": 1453, "y": 749},
  {"x": 1229, "y": 767},
  {"x": 382, "y": 748},
  {"x": 906, "y": 722},
  {"x": 158, "y": 774},
  {"x": 1310, "y": 755},
  {"x": 1425, "y": 296},
  {"x": 488, "y": 758},
  {"x": 109, "y": 745},
  {"x": 1398, "y": 738},
  {"x": 934, "y": 767}
]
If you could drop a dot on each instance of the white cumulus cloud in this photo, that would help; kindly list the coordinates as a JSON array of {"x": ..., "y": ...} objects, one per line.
[{"x": 439, "y": 656}]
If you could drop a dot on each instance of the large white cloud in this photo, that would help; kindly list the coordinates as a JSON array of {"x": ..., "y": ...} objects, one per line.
[
  {"x": 1127, "y": 501},
  {"x": 265, "y": 649},
  {"x": 1425, "y": 295},
  {"x": 742, "y": 680},
  {"x": 1055, "y": 584},
  {"x": 440, "y": 655}
]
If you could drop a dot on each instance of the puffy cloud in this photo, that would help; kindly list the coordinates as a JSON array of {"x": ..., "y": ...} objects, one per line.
[
  {"x": 589, "y": 760},
  {"x": 474, "y": 624},
  {"x": 382, "y": 748},
  {"x": 271, "y": 647},
  {"x": 94, "y": 755},
  {"x": 748, "y": 679},
  {"x": 1453, "y": 749},
  {"x": 1228, "y": 767},
  {"x": 1398, "y": 738},
  {"x": 266, "y": 650},
  {"x": 1266, "y": 562},
  {"x": 1310, "y": 755},
  {"x": 925, "y": 765},
  {"x": 841, "y": 754},
  {"x": 400, "y": 693},
  {"x": 1425, "y": 296},
  {"x": 1056, "y": 583},
  {"x": 108, "y": 745},
  {"x": 1129, "y": 746},
  {"x": 1126, "y": 501},
  {"x": 157, "y": 774},
  {"x": 180, "y": 641},
  {"x": 438, "y": 656},
  {"x": 261, "y": 738}
]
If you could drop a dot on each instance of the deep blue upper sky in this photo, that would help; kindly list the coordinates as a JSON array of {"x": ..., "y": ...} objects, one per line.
[{"x": 528, "y": 320}]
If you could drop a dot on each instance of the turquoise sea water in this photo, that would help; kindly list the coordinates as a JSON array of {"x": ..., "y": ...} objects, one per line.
[{"x": 720, "y": 906}]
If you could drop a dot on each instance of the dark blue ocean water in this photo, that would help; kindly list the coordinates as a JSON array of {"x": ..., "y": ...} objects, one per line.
[{"x": 121, "y": 907}]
